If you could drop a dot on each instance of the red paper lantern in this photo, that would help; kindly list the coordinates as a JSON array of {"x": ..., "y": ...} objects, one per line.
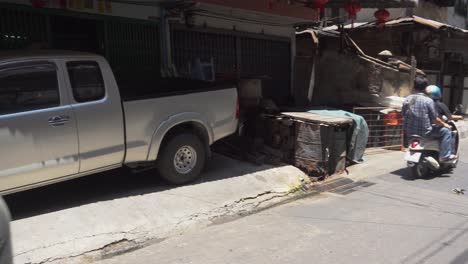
[
  {"x": 270, "y": 4},
  {"x": 319, "y": 7},
  {"x": 382, "y": 15},
  {"x": 62, "y": 4},
  {"x": 352, "y": 8},
  {"x": 38, "y": 3}
]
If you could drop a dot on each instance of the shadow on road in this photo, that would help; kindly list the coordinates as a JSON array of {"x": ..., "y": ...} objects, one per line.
[
  {"x": 405, "y": 174},
  {"x": 461, "y": 258},
  {"x": 112, "y": 185}
]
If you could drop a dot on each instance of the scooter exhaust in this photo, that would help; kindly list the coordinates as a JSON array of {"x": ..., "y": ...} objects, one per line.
[{"x": 433, "y": 164}]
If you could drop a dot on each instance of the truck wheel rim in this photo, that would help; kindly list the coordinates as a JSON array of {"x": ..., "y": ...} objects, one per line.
[{"x": 185, "y": 159}]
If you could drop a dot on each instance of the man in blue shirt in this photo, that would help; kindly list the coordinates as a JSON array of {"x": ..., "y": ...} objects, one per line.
[{"x": 422, "y": 119}]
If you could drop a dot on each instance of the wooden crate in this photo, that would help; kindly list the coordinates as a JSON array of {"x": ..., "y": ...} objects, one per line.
[{"x": 320, "y": 149}]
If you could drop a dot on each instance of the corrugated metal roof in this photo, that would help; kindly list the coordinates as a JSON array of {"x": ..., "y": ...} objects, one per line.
[
  {"x": 417, "y": 20},
  {"x": 356, "y": 24},
  {"x": 436, "y": 25}
]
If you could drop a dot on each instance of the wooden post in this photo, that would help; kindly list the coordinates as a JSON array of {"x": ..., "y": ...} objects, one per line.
[
  {"x": 341, "y": 29},
  {"x": 412, "y": 73}
]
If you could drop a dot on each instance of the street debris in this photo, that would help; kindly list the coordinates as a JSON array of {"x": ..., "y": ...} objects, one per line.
[{"x": 459, "y": 191}]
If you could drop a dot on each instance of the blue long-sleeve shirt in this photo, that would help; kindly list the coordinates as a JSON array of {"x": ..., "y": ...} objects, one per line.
[{"x": 418, "y": 112}]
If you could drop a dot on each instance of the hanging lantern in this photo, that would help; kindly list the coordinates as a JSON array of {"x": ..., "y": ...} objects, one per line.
[
  {"x": 319, "y": 7},
  {"x": 62, "y": 4},
  {"x": 38, "y": 3},
  {"x": 352, "y": 8},
  {"x": 270, "y": 4},
  {"x": 108, "y": 6},
  {"x": 382, "y": 15}
]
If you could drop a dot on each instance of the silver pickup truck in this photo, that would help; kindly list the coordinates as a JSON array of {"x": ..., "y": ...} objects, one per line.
[{"x": 62, "y": 116}]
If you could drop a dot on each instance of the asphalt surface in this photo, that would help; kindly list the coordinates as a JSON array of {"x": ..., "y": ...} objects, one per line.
[{"x": 390, "y": 218}]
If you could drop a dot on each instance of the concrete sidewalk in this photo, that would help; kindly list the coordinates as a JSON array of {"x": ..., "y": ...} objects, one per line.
[
  {"x": 463, "y": 127},
  {"x": 105, "y": 227}
]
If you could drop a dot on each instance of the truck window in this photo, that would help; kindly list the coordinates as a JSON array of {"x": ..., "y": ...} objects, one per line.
[
  {"x": 28, "y": 86},
  {"x": 86, "y": 81}
]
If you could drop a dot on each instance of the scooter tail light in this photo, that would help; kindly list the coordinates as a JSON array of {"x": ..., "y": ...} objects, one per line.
[{"x": 415, "y": 143}]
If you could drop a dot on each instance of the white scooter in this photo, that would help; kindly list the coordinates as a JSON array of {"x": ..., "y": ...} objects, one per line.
[{"x": 422, "y": 156}]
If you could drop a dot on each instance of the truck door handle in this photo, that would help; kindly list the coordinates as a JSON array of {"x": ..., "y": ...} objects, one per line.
[{"x": 58, "y": 120}]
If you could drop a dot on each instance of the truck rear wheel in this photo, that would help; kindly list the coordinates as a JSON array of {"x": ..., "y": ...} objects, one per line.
[{"x": 182, "y": 159}]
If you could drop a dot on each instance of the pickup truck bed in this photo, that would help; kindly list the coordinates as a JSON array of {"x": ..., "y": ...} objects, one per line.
[{"x": 148, "y": 120}]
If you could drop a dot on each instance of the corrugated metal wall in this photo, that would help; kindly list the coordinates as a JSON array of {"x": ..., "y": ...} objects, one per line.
[
  {"x": 19, "y": 28},
  {"x": 271, "y": 60},
  {"x": 132, "y": 44},
  {"x": 128, "y": 44},
  {"x": 190, "y": 45}
]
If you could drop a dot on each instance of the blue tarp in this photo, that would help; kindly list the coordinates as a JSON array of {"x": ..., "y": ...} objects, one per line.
[{"x": 357, "y": 139}]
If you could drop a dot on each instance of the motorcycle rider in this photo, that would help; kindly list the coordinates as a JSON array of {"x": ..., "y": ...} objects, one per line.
[
  {"x": 442, "y": 110},
  {"x": 422, "y": 119}
]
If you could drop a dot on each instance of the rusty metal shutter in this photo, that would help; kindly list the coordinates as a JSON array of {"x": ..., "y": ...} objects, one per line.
[{"x": 21, "y": 27}]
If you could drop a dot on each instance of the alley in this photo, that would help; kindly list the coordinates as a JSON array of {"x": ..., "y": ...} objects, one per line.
[
  {"x": 390, "y": 219},
  {"x": 231, "y": 131}
]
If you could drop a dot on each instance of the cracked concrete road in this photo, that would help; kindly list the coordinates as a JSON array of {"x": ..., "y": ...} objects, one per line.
[
  {"x": 389, "y": 218},
  {"x": 103, "y": 215}
]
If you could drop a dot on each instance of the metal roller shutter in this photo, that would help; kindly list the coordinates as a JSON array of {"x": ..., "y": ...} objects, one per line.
[
  {"x": 132, "y": 44},
  {"x": 190, "y": 45},
  {"x": 270, "y": 59},
  {"x": 21, "y": 27},
  {"x": 237, "y": 55}
]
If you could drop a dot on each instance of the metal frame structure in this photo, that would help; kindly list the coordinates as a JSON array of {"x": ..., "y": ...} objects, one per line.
[{"x": 383, "y": 133}]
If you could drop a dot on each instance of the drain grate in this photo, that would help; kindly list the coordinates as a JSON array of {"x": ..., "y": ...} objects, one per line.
[{"x": 344, "y": 186}]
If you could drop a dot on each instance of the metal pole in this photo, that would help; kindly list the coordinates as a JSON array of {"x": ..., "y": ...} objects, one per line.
[
  {"x": 341, "y": 29},
  {"x": 413, "y": 73}
]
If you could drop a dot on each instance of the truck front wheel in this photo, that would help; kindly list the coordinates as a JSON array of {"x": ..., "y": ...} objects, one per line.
[{"x": 182, "y": 159}]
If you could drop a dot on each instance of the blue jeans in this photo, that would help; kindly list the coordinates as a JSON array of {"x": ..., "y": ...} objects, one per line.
[{"x": 445, "y": 136}]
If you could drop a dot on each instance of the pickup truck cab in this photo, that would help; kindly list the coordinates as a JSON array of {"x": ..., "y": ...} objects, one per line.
[{"x": 62, "y": 116}]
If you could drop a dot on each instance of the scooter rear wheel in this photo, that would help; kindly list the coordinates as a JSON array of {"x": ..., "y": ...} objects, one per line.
[{"x": 419, "y": 170}]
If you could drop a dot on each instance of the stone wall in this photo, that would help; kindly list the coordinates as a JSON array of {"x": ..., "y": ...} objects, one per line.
[{"x": 344, "y": 78}]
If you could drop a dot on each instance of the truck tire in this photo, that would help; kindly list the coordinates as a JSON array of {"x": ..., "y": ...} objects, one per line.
[{"x": 182, "y": 159}]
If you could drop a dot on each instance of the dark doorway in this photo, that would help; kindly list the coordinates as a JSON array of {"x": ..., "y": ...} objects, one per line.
[
  {"x": 70, "y": 33},
  {"x": 456, "y": 95}
]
